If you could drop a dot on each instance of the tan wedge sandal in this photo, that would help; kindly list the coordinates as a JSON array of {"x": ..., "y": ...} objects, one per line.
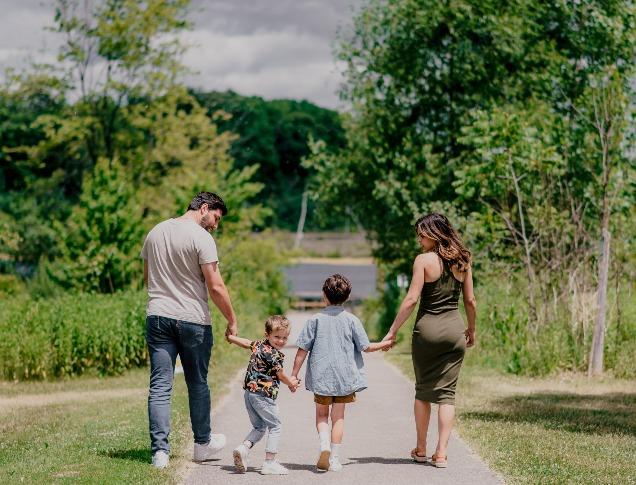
[
  {"x": 439, "y": 461},
  {"x": 418, "y": 457}
]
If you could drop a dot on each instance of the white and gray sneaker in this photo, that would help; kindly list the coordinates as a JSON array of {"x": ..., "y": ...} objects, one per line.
[
  {"x": 273, "y": 468},
  {"x": 241, "y": 454},
  {"x": 334, "y": 464},
  {"x": 160, "y": 459},
  {"x": 207, "y": 451}
]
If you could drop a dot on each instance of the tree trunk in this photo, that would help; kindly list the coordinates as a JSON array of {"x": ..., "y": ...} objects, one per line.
[
  {"x": 596, "y": 354},
  {"x": 301, "y": 221}
]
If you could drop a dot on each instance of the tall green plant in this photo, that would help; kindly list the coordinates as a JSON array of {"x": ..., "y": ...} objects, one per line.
[{"x": 99, "y": 242}]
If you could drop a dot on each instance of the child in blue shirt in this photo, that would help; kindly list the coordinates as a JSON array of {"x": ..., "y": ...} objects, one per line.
[
  {"x": 334, "y": 340},
  {"x": 262, "y": 380}
]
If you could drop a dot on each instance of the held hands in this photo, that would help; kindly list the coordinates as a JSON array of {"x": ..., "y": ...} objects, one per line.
[
  {"x": 295, "y": 382},
  {"x": 470, "y": 337},
  {"x": 390, "y": 338},
  {"x": 231, "y": 329}
]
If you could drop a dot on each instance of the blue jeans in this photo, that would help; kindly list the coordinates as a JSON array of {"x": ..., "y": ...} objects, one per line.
[
  {"x": 166, "y": 339},
  {"x": 263, "y": 413}
]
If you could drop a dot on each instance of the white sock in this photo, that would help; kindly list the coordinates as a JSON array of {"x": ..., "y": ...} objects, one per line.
[
  {"x": 335, "y": 449},
  {"x": 248, "y": 444},
  {"x": 324, "y": 440}
]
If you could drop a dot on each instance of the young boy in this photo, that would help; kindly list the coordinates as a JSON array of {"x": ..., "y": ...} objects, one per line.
[
  {"x": 262, "y": 380},
  {"x": 334, "y": 340}
]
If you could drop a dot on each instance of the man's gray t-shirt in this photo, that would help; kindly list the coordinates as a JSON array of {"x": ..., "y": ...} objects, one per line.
[
  {"x": 175, "y": 250},
  {"x": 335, "y": 340}
]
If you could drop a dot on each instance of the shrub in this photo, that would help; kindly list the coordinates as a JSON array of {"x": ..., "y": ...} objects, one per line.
[{"x": 75, "y": 333}]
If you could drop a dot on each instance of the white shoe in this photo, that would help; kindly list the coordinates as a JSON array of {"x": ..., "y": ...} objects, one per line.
[
  {"x": 160, "y": 459},
  {"x": 273, "y": 468},
  {"x": 334, "y": 464},
  {"x": 241, "y": 453},
  {"x": 205, "y": 452}
]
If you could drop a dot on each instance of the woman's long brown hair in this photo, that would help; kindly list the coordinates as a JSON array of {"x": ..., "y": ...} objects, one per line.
[{"x": 449, "y": 245}]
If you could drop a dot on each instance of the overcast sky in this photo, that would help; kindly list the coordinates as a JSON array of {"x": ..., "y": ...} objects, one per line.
[{"x": 269, "y": 48}]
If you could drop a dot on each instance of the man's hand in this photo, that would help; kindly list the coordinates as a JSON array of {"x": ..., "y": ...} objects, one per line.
[{"x": 231, "y": 329}]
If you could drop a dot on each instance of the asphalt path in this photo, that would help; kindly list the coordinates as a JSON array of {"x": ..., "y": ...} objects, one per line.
[
  {"x": 379, "y": 434},
  {"x": 305, "y": 280}
]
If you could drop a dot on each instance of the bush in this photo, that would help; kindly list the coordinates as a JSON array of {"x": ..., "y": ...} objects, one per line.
[
  {"x": 68, "y": 335},
  {"x": 72, "y": 334},
  {"x": 507, "y": 341}
]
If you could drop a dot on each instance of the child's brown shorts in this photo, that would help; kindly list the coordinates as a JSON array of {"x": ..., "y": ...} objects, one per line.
[{"x": 328, "y": 400}]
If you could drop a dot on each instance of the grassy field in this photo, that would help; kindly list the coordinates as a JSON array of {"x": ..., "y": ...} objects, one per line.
[
  {"x": 94, "y": 430},
  {"x": 560, "y": 429}
]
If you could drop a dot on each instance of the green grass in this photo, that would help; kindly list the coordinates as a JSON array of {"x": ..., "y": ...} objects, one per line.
[
  {"x": 559, "y": 429},
  {"x": 101, "y": 440}
]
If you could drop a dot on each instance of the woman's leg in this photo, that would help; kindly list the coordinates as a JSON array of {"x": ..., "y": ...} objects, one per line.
[
  {"x": 422, "y": 411},
  {"x": 445, "y": 420},
  {"x": 337, "y": 422}
]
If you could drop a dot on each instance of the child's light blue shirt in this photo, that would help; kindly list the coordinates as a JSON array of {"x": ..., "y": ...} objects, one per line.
[{"x": 335, "y": 340}]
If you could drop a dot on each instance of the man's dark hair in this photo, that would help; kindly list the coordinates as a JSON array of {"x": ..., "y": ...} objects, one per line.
[
  {"x": 210, "y": 198},
  {"x": 337, "y": 289}
]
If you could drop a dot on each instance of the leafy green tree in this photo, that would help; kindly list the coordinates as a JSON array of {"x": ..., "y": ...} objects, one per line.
[
  {"x": 133, "y": 130},
  {"x": 99, "y": 243},
  {"x": 274, "y": 135},
  {"x": 416, "y": 70}
]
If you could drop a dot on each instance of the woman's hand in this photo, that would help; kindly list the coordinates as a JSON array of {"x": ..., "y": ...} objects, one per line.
[
  {"x": 390, "y": 337},
  {"x": 470, "y": 337}
]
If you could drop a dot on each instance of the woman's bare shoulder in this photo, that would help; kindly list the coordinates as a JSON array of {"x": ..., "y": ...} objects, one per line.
[{"x": 426, "y": 258}]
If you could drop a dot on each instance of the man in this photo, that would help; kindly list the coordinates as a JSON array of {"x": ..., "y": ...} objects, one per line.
[{"x": 181, "y": 268}]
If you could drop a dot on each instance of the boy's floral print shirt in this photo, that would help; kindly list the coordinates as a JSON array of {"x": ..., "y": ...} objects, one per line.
[{"x": 265, "y": 362}]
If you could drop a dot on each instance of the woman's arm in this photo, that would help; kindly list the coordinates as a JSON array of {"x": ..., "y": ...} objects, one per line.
[
  {"x": 374, "y": 346},
  {"x": 470, "y": 305},
  {"x": 241, "y": 342},
  {"x": 410, "y": 300}
]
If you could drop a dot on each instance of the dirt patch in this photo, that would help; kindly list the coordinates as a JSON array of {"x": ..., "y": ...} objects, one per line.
[{"x": 8, "y": 404}]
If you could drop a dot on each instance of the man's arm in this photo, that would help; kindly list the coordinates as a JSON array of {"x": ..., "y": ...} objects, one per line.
[
  {"x": 219, "y": 295},
  {"x": 146, "y": 273}
]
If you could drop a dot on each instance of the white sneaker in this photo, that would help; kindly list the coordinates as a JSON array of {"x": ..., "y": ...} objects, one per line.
[
  {"x": 160, "y": 459},
  {"x": 241, "y": 453},
  {"x": 205, "y": 452},
  {"x": 334, "y": 464},
  {"x": 273, "y": 468}
]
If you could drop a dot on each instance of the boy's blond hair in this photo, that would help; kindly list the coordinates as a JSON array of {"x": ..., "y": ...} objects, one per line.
[{"x": 276, "y": 322}]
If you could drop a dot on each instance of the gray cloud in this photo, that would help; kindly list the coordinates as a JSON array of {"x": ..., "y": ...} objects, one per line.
[{"x": 269, "y": 48}]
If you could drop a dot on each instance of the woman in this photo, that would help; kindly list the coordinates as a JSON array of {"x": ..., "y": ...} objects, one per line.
[{"x": 440, "y": 274}]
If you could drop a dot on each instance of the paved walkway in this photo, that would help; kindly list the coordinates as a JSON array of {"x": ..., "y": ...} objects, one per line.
[{"x": 379, "y": 433}]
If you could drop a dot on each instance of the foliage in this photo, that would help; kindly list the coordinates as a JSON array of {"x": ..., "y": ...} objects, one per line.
[
  {"x": 274, "y": 135},
  {"x": 66, "y": 336},
  {"x": 74, "y": 333},
  {"x": 513, "y": 118},
  {"x": 99, "y": 243}
]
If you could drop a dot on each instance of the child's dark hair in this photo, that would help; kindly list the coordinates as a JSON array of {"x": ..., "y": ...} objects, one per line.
[
  {"x": 276, "y": 322},
  {"x": 337, "y": 289}
]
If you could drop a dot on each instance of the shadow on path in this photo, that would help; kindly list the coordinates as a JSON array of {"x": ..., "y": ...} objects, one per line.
[{"x": 591, "y": 414}]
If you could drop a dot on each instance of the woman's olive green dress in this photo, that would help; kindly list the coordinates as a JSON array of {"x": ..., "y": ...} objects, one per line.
[{"x": 439, "y": 343}]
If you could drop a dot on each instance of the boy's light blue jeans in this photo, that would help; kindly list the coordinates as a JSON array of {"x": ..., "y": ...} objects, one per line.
[
  {"x": 263, "y": 413},
  {"x": 166, "y": 338}
]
